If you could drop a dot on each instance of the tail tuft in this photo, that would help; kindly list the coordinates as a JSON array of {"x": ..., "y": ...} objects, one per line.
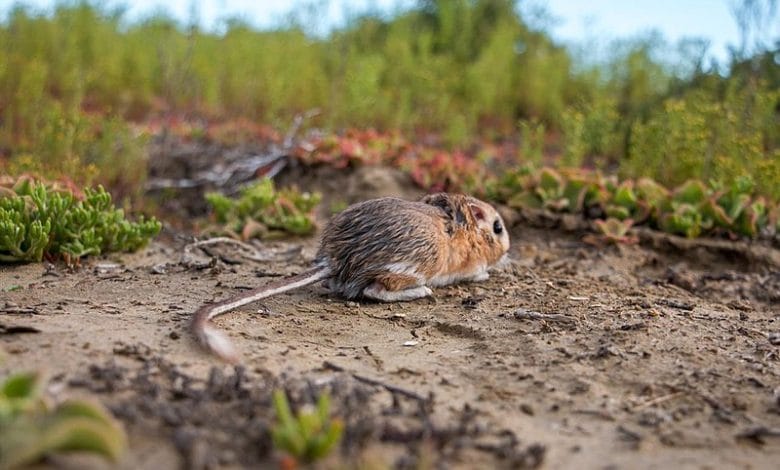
[{"x": 218, "y": 343}]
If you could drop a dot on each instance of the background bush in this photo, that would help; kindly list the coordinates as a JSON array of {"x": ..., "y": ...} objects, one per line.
[{"x": 71, "y": 80}]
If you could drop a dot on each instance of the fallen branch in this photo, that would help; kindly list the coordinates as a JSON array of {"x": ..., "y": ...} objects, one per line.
[
  {"x": 656, "y": 401},
  {"x": 14, "y": 309},
  {"x": 230, "y": 176},
  {"x": 523, "y": 314},
  {"x": 190, "y": 260},
  {"x": 758, "y": 433},
  {"x": 378, "y": 383}
]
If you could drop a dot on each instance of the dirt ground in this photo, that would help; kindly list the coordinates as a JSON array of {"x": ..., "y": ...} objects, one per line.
[{"x": 572, "y": 356}]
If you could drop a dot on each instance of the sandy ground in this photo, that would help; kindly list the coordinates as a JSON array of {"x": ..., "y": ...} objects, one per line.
[{"x": 574, "y": 356}]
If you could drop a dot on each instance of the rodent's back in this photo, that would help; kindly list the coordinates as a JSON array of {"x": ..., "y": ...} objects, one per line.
[{"x": 362, "y": 241}]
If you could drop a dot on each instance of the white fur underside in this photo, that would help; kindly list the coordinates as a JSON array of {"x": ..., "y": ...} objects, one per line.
[
  {"x": 406, "y": 269},
  {"x": 380, "y": 293}
]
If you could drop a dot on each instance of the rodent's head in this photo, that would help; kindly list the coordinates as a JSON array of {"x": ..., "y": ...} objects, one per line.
[
  {"x": 491, "y": 226},
  {"x": 478, "y": 216}
]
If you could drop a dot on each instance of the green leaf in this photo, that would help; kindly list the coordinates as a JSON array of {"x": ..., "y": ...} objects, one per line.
[
  {"x": 685, "y": 220},
  {"x": 29, "y": 430},
  {"x": 733, "y": 204},
  {"x": 624, "y": 195},
  {"x": 308, "y": 436},
  {"x": 711, "y": 211},
  {"x": 550, "y": 180},
  {"x": 27, "y": 440},
  {"x": 575, "y": 192},
  {"x": 615, "y": 231},
  {"x": 752, "y": 219},
  {"x": 525, "y": 199},
  {"x": 22, "y": 385},
  {"x": 691, "y": 192},
  {"x": 652, "y": 193}
]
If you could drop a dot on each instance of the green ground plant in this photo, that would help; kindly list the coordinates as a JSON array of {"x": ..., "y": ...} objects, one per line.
[
  {"x": 260, "y": 211},
  {"x": 310, "y": 435},
  {"x": 691, "y": 209},
  {"x": 31, "y": 428},
  {"x": 40, "y": 220}
]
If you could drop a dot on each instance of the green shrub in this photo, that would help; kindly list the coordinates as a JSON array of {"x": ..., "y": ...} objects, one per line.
[
  {"x": 591, "y": 132},
  {"x": 38, "y": 220},
  {"x": 260, "y": 211},
  {"x": 699, "y": 136},
  {"x": 531, "y": 146}
]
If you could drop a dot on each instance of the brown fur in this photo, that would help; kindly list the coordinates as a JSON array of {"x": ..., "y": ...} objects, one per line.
[
  {"x": 437, "y": 235},
  {"x": 395, "y": 282}
]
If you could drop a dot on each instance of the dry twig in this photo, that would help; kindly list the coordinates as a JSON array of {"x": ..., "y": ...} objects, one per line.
[{"x": 523, "y": 314}]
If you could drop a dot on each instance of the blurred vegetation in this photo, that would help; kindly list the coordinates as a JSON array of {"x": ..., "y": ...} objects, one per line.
[
  {"x": 308, "y": 436},
  {"x": 73, "y": 81},
  {"x": 31, "y": 427}
]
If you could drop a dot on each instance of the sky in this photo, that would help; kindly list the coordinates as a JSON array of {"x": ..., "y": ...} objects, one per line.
[{"x": 569, "y": 21}]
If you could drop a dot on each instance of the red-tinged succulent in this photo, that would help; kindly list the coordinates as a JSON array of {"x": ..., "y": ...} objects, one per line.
[
  {"x": 692, "y": 209},
  {"x": 612, "y": 230}
]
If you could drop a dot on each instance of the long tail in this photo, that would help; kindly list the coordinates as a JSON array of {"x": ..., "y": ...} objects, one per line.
[{"x": 216, "y": 341}]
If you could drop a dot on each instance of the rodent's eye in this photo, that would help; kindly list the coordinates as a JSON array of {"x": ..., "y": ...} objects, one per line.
[{"x": 497, "y": 228}]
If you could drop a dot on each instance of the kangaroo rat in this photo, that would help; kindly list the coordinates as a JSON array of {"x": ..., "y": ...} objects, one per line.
[{"x": 386, "y": 249}]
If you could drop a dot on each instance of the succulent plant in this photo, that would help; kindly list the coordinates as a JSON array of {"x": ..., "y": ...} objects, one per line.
[
  {"x": 692, "y": 209},
  {"x": 30, "y": 428},
  {"x": 614, "y": 230},
  {"x": 39, "y": 219},
  {"x": 310, "y": 435},
  {"x": 260, "y": 211}
]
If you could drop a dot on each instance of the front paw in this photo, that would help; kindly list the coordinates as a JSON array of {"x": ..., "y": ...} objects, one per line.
[{"x": 483, "y": 276}]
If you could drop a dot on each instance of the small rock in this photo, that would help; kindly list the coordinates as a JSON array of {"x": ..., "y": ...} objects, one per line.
[
  {"x": 160, "y": 268},
  {"x": 104, "y": 268},
  {"x": 411, "y": 343},
  {"x": 579, "y": 298}
]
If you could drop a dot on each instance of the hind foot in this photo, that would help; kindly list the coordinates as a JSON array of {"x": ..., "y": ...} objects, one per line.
[{"x": 377, "y": 291}]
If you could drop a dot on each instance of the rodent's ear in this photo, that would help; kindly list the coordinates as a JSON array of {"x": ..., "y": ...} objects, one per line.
[
  {"x": 450, "y": 204},
  {"x": 441, "y": 200},
  {"x": 477, "y": 212}
]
